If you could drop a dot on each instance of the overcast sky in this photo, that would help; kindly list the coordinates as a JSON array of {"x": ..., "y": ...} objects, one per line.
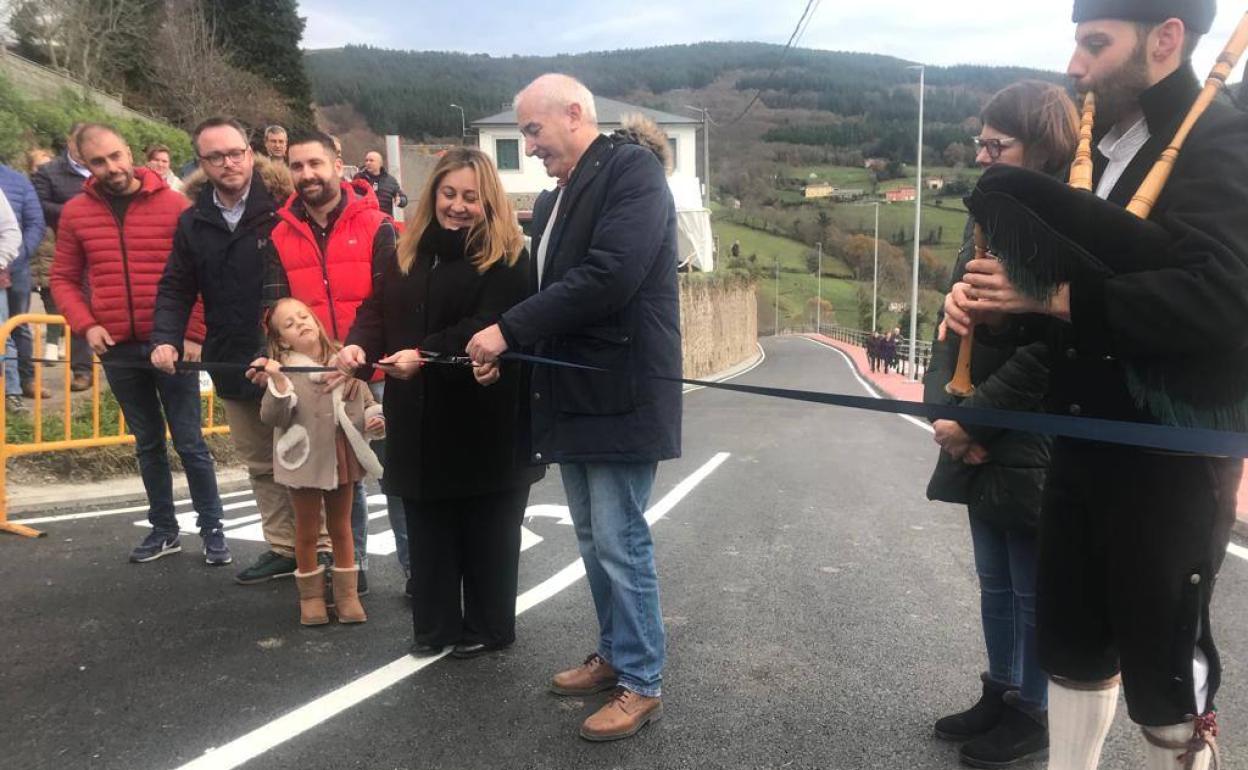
[{"x": 998, "y": 32}]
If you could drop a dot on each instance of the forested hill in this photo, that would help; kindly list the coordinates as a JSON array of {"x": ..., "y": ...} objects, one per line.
[{"x": 826, "y": 98}]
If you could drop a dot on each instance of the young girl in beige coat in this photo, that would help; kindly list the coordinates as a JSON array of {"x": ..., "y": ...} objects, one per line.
[{"x": 320, "y": 451}]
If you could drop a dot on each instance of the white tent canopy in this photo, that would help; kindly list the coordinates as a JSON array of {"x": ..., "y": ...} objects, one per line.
[{"x": 695, "y": 243}]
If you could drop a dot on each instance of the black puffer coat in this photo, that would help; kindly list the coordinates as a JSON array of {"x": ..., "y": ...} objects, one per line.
[
  {"x": 608, "y": 299},
  {"x": 1006, "y": 491},
  {"x": 447, "y": 436}
]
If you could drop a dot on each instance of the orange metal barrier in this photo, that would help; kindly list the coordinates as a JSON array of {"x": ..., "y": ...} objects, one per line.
[{"x": 98, "y": 437}]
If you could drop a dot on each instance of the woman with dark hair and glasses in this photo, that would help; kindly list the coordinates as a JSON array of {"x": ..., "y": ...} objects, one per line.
[{"x": 999, "y": 474}]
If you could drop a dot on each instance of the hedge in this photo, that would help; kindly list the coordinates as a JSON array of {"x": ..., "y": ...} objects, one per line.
[{"x": 26, "y": 123}]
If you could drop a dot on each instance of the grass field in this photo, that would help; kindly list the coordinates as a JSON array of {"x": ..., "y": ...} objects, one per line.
[
  {"x": 768, "y": 247},
  {"x": 798, "y": 287}
]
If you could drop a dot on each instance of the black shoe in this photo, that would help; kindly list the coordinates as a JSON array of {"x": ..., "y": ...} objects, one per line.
[
  {"x": 1021, "y": 734},
  {"x": 978, "y": 719},
  {"x": 426, "y": 650},
  {"x": 408, "y": 588},
  {"x": 466, "y": 650},
  {"x": 269, "y": 566},
  {"x": 361, "y": 584}
]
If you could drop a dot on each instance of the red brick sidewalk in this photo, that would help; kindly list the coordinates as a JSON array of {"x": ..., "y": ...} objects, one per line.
[{"x": 899, "y": 387}]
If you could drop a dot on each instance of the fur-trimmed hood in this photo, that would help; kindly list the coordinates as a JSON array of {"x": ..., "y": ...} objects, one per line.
[
  {"x": 645, "y": 132},
  {"x": 275, "y": 176}
]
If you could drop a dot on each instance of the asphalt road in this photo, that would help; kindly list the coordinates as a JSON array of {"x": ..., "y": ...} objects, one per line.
[{"x": 820, "y": 614}]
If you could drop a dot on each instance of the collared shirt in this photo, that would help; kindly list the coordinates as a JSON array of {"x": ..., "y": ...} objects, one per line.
[
  {"x": 232, "y": 214},
  {"x": 1121, "y": 148},
  {"x": 331, "y": 218},
  {"x": 545, "y": 244},
  {"x": 78, "y": 168}
]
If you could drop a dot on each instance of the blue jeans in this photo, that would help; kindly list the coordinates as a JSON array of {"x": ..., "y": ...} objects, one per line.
[
  {"x": 19, "y": 303},
  {"x": 12, "y": 385},
  {"x": 1006, "y": 564},
  {"x": 608, "y": 504},
  {"x": 143, "y": 395},
  {"x": 394, "y": 510}
]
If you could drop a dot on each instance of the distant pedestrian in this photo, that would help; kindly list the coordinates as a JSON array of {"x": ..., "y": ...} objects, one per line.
[
  {"x": 19, "y": 371},
  {"x": 384, "y": 185},
  {"x": 160, "y": 160},
  {"x": 56, "y": 183},
  {"x": 275, "y": 143},
  {"x": 320, "y": 453}
]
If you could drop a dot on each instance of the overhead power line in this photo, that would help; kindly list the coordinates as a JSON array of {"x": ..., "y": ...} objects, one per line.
[{"x": 798, "y": 31}]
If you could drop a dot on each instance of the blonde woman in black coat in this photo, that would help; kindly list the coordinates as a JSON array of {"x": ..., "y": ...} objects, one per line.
[{"x": 461, "y": 263}]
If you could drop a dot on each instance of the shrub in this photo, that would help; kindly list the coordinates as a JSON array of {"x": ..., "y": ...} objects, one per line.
[{"x": 26, "y": 123}]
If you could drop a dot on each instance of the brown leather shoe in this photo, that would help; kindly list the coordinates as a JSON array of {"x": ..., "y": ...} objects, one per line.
[
  {"x": 622, "y": 716},
  {"x": 80, "y": 382},
  {"x": 28, "y": 390},
  {"x": 594, "y": 675}
]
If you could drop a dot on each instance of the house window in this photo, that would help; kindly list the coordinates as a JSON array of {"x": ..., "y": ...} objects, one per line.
[
  {"x": 671, "y": 145},
  {"x": 507, "y": 152}
]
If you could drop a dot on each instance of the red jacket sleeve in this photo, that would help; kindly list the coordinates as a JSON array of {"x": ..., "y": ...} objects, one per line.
[
  {"x": 196, "y": 330},
  {"x": 68, "y": 269}
]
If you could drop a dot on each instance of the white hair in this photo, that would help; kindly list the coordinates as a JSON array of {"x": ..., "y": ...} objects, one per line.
[{"x": 560, "y": 92}]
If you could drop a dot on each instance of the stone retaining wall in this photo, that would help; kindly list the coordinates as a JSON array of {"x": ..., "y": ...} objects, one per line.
[{"x": 719, "y": 323}]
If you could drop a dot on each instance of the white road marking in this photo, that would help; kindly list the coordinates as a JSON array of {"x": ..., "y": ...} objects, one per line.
[
  {"x": 304, "y": 718},
  {"x": 560, "y": 513},
  {"x": 1232, "y": 548},
  {"x": 111, "y": 512}
]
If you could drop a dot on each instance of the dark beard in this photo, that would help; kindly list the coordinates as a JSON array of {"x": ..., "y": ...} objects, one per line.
[
  {"x": 119, "y": 188},
  {"x": 1118, "y": 95},
  {"x": 325, "y": 196}
]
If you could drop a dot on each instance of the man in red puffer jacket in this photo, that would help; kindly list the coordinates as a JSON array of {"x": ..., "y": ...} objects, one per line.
[{"x": 119, "y": 232}]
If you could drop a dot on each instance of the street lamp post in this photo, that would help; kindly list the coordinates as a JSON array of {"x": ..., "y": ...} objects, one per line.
[
  {"x": 875, "y": 280},
  {"x": 777, "y": 332},
  {"x": 706, "y": 151},
  {"x": 918, "y": 223},
  {"x": 463, "y": 124},
  {"x": 819, "y": 292}
]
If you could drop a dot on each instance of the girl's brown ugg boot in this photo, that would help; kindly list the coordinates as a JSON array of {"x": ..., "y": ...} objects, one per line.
[
  {"x": 311, "y": 587},
  {"x": 346, "y": 599}
]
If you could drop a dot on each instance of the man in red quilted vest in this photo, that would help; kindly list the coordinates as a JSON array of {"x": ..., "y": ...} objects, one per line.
[
  {"x": 119, "y": 233},
  {"x": 327, "y": 239}
]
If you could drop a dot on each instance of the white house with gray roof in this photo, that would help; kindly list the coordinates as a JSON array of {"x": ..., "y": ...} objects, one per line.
[{"x": 524, "y": 177}]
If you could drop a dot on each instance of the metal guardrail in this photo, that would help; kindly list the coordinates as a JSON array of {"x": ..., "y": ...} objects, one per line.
[{"x": 99, "y": 436}]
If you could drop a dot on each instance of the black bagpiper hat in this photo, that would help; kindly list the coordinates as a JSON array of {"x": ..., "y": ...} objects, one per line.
[{"x": 1196, "y": 14}]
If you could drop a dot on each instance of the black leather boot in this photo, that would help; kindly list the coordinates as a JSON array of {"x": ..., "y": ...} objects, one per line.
[
  {"x": 978, "y": 719},
  {"x": 1021, "y": 734}
]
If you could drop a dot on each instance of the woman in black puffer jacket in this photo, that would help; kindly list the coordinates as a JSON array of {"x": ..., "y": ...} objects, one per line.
[{"x": 999, "y": 474}]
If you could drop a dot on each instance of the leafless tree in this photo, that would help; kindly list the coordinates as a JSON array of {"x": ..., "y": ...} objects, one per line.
[{"x": 197, "y": 79}]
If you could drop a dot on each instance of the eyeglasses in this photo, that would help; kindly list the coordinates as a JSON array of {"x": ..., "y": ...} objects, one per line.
[
  {"x": 218, "y": 159},
  {"x": 995, "y": 146}
]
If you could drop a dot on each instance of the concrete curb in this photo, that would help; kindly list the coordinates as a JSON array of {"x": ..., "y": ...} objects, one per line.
[
  {"x": 733, "y": 371},
  {"x": 51, "y": 498}
]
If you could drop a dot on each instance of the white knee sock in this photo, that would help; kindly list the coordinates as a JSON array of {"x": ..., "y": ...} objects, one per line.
[
  {"x": 1079, "y": 720},
  {"x": 1163, "y": 746}
]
